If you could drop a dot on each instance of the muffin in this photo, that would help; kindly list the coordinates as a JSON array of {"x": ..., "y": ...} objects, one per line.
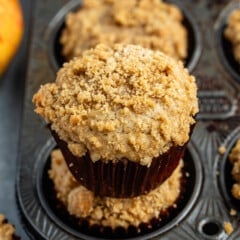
[
  {"x": 149, "y": 23},
  {"x": 232, "y": 33},
  {"x": 114, "y": 213},
  {"x": 234, "y": 158},
  {"x": 122, "y": 117},
  {"x": 6, "y": 230}
]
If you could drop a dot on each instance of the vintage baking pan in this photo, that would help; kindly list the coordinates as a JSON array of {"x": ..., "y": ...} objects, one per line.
[{"x": 207, "y": 203}]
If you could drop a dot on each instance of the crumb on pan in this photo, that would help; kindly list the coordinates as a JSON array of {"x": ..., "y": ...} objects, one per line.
[
  {"x": 112, "y": 212},
  {"x": 136, "y": 101},
  {"x": 228, "y": 228},
  {"x": 232, "y": 32},
  {"x": 6, "y": 230},
  {"x": 150, "y": 23},
  {"x": 233, "y": 212},
  {"x": 222, "y": 149}
]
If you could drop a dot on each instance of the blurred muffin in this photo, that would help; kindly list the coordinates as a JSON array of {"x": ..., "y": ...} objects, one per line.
[
  {"x": 234, "y": 157},
  {"x": 6, "y": 230},
  {"x": 112, "y": 212},
  {"x": 232, "y": 33},
  {"x": 150, "y": 23},
  {"x": 122, "y": 117}
]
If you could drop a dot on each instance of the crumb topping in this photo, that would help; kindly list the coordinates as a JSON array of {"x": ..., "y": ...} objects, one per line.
[
  {"x": 150, "y": 23},
  {"x": 113, "y": 212},
  {"x": 233, "y": 212},
  {"x": 6, "y": 229},
  {"x": 232, "y": 32},
  {"x": 222, "y": 149},
  {"x": 228, "y": 228},
  {"x": 135, "y": 101},
  {"x": 234, "y": 158}
]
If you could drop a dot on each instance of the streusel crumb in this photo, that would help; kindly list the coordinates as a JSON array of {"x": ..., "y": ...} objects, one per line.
[
  {"x": 228, "y": 228},
  {"x": 6, "y": 229},
  {"x": 150, "y": 23},
  {"x": 113, "y": 212},
  {"x": 232, "y": 32},
  {"x": 222, "y": 149},
  {"x": 121, "y": 102}
]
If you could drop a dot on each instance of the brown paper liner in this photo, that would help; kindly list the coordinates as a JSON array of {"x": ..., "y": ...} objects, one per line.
[{"x": 124, "y": 178}]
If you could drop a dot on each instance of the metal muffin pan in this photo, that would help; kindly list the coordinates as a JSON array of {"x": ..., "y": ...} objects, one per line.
[{"x": 207, "y": 206}]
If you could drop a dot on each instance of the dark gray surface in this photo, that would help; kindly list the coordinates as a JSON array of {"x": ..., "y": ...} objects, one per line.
[{"x": 11, "y": 99}]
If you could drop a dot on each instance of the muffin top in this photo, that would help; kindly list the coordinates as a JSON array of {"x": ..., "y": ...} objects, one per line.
[
  {"x": 120, "y": 102},
  {"x": 232, "y": 32},
  {"x": 150, "y": 23}
]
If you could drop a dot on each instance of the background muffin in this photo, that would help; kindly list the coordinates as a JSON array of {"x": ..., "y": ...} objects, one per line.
[
  {"x": 150, "y": 23},
  {"x": 112, "y": 212},
  {"x": 122, "y": 117},
  {"x": 232, "y": 32},
  {"x": 234, "y": 157}
]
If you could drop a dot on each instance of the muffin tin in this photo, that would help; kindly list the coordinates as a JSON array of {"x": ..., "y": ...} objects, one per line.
[{"x": 206, "y": 207}]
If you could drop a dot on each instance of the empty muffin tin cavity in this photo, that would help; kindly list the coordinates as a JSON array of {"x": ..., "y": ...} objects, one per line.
[
  {"x": 57, "y": 24},
  {"x": 191, "y": 185},
  {"x": 224, "y": 47}
]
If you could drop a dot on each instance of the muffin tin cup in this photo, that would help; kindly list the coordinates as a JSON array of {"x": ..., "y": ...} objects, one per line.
[
  {"x": 224, "y": 47},
  {"x": 56, "y": 26},
  {"x": 55, "y": 212},
  {"x": 123, "y": 178}
]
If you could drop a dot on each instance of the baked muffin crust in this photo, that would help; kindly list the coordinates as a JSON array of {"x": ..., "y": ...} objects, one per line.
[
  {"x": 120, "y": 102},
  {"x": 112, "y": 212},
  {"x": 232, "y": 32},
  {"x": 150, "y": 23}
]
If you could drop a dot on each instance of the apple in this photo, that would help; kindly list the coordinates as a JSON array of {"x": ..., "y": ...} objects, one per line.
[{"x": 11, "y": 30}]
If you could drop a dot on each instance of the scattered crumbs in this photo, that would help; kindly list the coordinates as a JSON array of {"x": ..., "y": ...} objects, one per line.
[
  {"x": 71, "y": 165},
  {"x": 233, "y": 212},
  {"x": 228, "y": 228},
  {"x": 187, "y": 174},
  {"x": 222, "y": 149}
]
